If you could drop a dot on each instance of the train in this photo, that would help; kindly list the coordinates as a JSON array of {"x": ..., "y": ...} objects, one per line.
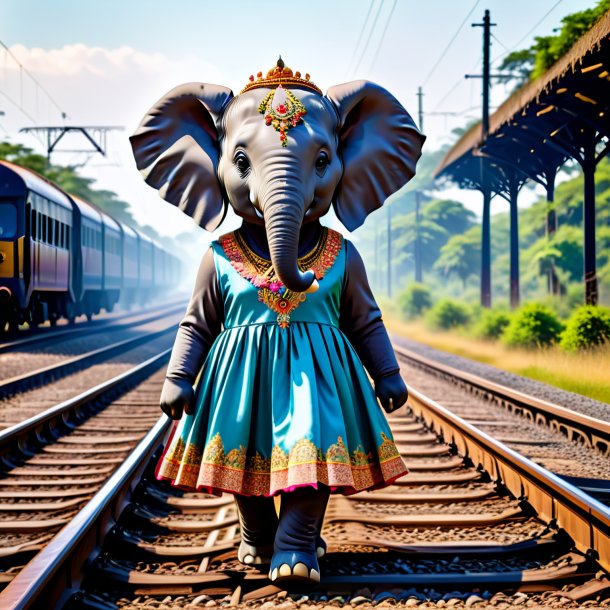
[{"x": 62, "y": 257}]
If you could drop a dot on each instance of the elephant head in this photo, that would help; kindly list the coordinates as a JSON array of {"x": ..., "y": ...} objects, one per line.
[{"x": 280, "y": 153}]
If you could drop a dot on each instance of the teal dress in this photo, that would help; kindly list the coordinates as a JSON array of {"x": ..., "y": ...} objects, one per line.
[{"x": 282, "y": 400}]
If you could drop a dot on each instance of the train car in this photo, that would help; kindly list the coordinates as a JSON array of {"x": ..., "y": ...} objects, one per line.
[
  {"x": 88, "y": 252},
  {"x": 112, "y": 268},
  {"x": 63, "y": 257},
  {"x": 130, "y": 265},
  {"x": 146, "y": 259},
  {"x": 36, "y": 266}
]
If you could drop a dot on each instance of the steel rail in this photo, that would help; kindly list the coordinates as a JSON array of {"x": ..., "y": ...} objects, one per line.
[
  {"x": 57, "y": 570},
  {"x": 38, "y": 377},
  {"x": 16, "y": 441},
  {"x": 592, "y": 432},
  {"x": 108, "y": 322},
  {"x": 585, "y": 520}
]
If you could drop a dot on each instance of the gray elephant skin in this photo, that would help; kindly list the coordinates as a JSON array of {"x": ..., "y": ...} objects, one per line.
[{"x": 204, "y": 149}]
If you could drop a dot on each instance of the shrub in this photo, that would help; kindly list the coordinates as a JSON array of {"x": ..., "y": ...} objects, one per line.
[
  {"x": 534, "y": 325},
  {"x": 588, "y": 327},
  {"x": 491, "y": 324},
  {"x": 415, "y": 300},
  {"x": 448, "y": 314}
]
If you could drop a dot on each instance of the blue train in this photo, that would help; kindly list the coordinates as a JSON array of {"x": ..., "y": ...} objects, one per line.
[{"x": 63, "y": 257}]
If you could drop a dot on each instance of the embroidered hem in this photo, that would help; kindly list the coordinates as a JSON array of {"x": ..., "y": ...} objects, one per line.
[{"x": 235, "y": 472}]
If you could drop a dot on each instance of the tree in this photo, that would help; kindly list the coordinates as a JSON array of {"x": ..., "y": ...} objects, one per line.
[
  {"x": 68, "y": 179},
  {"x": 461, "y": 255},
  {"x": 533, "y": 62}
]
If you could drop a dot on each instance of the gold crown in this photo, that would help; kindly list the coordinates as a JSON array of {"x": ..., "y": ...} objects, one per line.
[{"x": 280, "y": 75}]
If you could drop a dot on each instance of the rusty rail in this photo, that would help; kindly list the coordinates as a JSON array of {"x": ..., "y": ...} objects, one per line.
[
  {"x": 583, "y": 518},
  {"x": 592, "y": 432},
  {"x": 57, "y": 570}
]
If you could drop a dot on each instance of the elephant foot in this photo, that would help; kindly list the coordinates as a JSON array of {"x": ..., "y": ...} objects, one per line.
[
  {"x": 298, "y": 544},
  {"x": 254, "y": 555},
  {"x": 258, "y": 524},
  {"x": 294, "y": 566}
]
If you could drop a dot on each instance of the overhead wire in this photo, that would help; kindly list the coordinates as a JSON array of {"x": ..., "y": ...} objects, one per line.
[
  {"x": 362, "y": 29},
  {"x": 528, "y": 32},
  {"x": 368, "y": 40},
  {"x": 446, "y": 49},
  {"x": 385, "y": 30},
  {"x": 38, "y": 84}
]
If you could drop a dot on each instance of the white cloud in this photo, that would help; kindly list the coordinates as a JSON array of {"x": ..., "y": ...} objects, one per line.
[{"x": 99, "y": 86}]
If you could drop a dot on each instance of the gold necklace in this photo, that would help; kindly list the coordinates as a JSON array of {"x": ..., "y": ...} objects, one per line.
[{"x": 259, "y": 271}]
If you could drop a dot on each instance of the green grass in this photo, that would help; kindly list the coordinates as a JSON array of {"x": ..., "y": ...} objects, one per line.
[{"x": 586, "y": 373}]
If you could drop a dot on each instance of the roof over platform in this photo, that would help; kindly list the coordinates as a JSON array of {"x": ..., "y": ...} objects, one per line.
[{"x": 543, "y": 123}]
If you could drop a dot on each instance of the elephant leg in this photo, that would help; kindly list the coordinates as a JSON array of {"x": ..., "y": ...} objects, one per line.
[
  {"x": 295, "y": 553},
  {"x": 258, "y": 524}
]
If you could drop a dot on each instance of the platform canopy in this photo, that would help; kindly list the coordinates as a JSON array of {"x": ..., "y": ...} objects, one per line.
[{"x": 561, "y": 115}]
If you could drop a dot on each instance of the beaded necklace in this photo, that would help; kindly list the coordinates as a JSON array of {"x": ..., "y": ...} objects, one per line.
[{"x": 260, "y": 273}]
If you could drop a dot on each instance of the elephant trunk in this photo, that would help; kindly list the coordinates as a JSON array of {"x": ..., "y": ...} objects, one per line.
[{"x": 283, "y": 212}]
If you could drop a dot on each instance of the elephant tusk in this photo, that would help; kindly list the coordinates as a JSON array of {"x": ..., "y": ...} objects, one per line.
[{"x": 313, "y": 288}]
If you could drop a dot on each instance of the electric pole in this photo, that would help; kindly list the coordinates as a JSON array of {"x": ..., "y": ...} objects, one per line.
[
  {"x": 485, "y": 186},
  {"x": 417, "y": 253}
]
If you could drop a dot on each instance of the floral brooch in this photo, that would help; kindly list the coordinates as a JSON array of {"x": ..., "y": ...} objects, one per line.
[{"x": 285, "y": 114}]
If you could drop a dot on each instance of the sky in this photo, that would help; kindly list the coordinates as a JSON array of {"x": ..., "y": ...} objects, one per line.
[{"x": 106, "y": 63}]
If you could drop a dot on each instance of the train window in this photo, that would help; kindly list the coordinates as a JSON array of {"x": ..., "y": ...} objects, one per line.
[
  {"x": 33, "y": 226},
  {"x": 68, "y": 229},
  {"x": 56, "y": 233},
  {"x": 8, "y": 221}
]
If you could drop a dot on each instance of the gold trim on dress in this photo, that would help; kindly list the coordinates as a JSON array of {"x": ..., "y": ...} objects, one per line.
[{"x": 260, "y": 272}]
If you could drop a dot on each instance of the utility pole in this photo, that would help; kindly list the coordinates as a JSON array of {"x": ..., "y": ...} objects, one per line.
[
  {"x": 485, "y": 186},
  {"x": 417, "y": 253}
]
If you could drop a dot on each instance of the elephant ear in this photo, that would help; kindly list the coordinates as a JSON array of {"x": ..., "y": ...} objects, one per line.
[
  {"x": 176, "y": 148},
  {"x": 380, "y": 146}
]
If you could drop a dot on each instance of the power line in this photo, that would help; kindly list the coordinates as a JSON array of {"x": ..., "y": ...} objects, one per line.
[
  {"x": 528, "y": 32},
  {"x": 446, "y": 49},
  {"x": 366, "y": 20},
  {"x": 368, "y": 40},
  {"x": 36, "y": 81},
  {"x": 500, "y": 42},
  {"x": 385, "y": 29},
  {"x": 455, "y": 86}
]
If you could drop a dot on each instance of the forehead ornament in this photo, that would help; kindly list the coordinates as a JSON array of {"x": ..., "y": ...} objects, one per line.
[{"x": 281, "y": 108}]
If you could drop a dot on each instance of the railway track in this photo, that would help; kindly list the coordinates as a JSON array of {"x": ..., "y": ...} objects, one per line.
[
  {"x": 25, "y": 395},
  {"x": 473, "y": 523},
  {"x": 55, "y": 461},
  {"x": 38, "y": 336},
  {"x": 571, "y": 444}
]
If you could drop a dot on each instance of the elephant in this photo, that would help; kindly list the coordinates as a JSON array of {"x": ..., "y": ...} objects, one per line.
[{"x": 282, "y": 405}]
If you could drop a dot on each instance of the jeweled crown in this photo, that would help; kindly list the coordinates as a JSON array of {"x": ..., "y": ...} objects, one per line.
[{"x": 280, "y": 74}]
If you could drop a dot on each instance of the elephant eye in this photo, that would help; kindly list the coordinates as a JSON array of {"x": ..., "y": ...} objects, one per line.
[
  {"x": 242, "y": 163},
  {"x": 322, "y": 161}
]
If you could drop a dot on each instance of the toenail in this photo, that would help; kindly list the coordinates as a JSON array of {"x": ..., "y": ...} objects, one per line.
[
  {"x": 285, "y": 570},
  {"x": 300, "y": 569}
]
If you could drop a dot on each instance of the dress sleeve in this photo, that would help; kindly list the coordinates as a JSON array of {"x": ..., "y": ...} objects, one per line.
[
  {"x": 360, "y": 319},
  {"x": 201, "y": 324}
]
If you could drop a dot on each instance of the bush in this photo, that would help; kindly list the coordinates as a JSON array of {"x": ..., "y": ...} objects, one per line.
[
  {"x": 534, "y": 325},
  {"x": 415, "y": 300},
  {"x": 491, "y": 324},
  {"x": 448, "y": 314},
  {"x": 588, "y": 327}
]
